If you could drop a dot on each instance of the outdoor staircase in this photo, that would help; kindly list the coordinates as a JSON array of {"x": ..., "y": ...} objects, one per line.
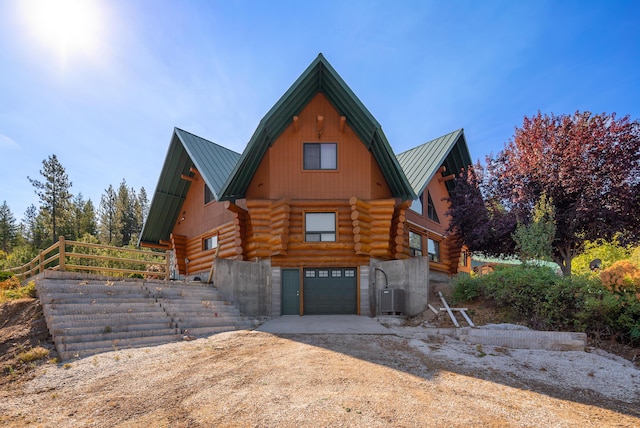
[{"x": 86, "y": 317}]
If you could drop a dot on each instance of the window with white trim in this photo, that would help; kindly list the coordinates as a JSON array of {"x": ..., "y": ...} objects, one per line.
[
  {"x": 320, "y": 227},
  {"x": 210, "y": 243},
  {"x": 320, "y": 156}
]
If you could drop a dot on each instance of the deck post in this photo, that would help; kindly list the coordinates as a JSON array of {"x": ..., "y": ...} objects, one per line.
[{"x": 61, "y": 253}]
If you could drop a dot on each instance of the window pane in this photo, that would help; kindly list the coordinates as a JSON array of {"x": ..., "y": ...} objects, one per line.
[
  {"x": 415, "y": 244},
  {"x": 416, "y": 206},
  {"x": 320, "y": 222},
  {"x": 312, "y": 156},
  {"x": 434, "y": 250},
  {"x": 208, "y": 194},
  {"x": 312, "y": 237},
  {"x": 431, "y": 210},
  {"x": 210, "y": 243},
  {"x": 328, "y": 237},
  {"x": 328, "y": 156}
]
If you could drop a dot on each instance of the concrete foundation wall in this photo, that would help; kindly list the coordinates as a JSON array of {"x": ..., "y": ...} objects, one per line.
[
  {"x": 410, "y": 275},
  {"x": 246, "y": 284},
  {"x": 365, "y": 301}
]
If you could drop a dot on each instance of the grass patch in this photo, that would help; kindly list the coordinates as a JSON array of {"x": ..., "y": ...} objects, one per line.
[
  {"x": 11, "y": 289},
  {"x": 33, "y": 354}
]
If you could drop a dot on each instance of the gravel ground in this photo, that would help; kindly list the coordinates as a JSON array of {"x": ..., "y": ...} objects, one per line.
[{"x": 248, "y": 378}]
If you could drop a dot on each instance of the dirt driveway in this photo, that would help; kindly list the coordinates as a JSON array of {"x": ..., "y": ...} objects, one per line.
[{"x": 249, "y": 378}]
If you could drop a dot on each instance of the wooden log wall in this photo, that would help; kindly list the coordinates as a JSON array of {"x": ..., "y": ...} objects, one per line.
[
  {"x": 371, "y": 222},
  {"x": 230, "y": 243},
  {"x": 318, "y": 254},
  {"x": 400, "y": 232},
  {"x": 454, "y": 249},
  {"x": 267, "y": 228},
  {"x": 179, "y": 245}
]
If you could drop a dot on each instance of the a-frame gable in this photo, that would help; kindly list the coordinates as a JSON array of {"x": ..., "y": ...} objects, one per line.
[
  {"x": 319, "y": 77},
  {"x": 186, "y": 151},
  {"x": 421, "y": 163}
]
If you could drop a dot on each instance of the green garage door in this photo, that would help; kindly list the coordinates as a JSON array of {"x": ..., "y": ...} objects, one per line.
[{"x": 330, "y": 291}]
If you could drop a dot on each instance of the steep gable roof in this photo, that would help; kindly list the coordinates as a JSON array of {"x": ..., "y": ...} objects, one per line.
[
  {"x": 319, "y": 77},
  {"x": 421, "y": 163},
  {"x": 186, "y": 151}
]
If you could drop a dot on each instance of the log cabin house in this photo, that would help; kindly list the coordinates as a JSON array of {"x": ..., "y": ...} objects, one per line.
[{"x": 318, "y": 193}]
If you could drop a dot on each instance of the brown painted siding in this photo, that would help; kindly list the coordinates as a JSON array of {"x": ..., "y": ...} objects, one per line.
[
  {"x": 196, "y": 222},
  {"x": 198, "y": 217},
  {"x": 449, "y": 249},
  {"x": 281, "y": 174}
]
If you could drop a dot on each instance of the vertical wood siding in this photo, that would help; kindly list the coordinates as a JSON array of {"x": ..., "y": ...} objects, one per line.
[{"x": 281, "y": 174}]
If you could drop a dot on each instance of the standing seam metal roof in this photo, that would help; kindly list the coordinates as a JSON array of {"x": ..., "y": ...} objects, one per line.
[
  {"x": 319, "y": 77},
  {"x": 186, "y": 150},
  {"x": 421, "y": 163}
]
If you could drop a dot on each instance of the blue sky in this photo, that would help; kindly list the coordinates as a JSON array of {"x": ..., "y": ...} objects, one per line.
[{"x": 106, "y": 99}]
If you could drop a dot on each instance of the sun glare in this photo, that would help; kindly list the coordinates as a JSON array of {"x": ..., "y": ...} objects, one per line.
[{"x": 68, "y": 27}]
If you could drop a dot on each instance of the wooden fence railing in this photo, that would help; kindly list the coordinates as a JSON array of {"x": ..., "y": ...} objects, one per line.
[{"x": 102, "y": 259}]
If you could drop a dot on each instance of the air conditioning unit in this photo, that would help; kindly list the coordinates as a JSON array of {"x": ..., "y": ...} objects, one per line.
[{"x": 391, "y": 301}]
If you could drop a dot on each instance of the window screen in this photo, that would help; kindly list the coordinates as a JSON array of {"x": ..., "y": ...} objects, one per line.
[{"x": 320, "y": 156}]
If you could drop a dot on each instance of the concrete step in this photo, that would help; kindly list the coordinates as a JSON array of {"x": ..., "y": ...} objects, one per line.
[
  {"x": 107, "y": 328},
  {"x": 190, "y": 295},
  {"x": 89, "y": 288},
  {"x": 94, "y": 298},
  {"x": 103, "y": 308},
  {"x": 67, "y": 342},
  {"x": 204, "y": 322},
  {"x": 207, "y": 331},
  {"x": 62, "y": 320},
  {"x": 86, "y": 318},
  {"x": 198, "y": 308}
]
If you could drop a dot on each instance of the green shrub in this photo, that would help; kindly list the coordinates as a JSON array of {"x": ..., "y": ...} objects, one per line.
[
  {"x": 465, "y": 289},
  {"x": 19, "y": 292},
  {"x": 543, "y": 300},
  {"x": 4, "y": 275}
]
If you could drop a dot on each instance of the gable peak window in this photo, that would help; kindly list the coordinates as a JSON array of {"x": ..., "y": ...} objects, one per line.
[
  {"x": 416, "y": 205},
  {"x": 320, "y": 156},
  {"x": 208, "y": 195},
  {"x": 431, "y": 209}
]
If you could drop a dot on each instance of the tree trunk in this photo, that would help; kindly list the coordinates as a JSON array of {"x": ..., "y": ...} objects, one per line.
[{"x": 563, "y": 257}]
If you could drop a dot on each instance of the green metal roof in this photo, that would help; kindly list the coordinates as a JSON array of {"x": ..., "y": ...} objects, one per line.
[
  {"x": 186, "y": 150},
  {"x": 319, "y": 77},
  {"x": 421, "y": 163}
]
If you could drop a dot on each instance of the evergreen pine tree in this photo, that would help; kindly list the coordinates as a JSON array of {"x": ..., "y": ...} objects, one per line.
[{"x": 53, "y": 192}]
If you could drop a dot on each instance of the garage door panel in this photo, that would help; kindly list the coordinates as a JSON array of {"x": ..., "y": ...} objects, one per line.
[{"x": 330, "y": 291}]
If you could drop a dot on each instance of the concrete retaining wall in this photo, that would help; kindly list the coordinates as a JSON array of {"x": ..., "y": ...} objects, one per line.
[
  {"x": 410, "y": 275},
  {"x": 246, "y": 284},
  {"x": 517, "y": 339}
]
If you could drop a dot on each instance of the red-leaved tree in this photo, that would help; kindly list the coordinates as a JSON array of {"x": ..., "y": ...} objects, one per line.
[{"x": 587, "y": 164}]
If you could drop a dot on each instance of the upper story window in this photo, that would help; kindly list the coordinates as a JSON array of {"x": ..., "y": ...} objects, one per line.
[
  {"x": 320, "y": 156},
  {"x": 320, "y": 227},
  {"x": 208, "y": 195},
  {"x": 415, "y": 244},
  {"x": 416, "y": 205},
  {"x": 431, "y": 209}
]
